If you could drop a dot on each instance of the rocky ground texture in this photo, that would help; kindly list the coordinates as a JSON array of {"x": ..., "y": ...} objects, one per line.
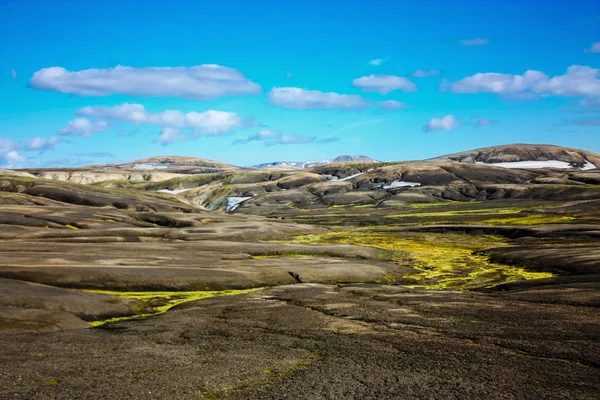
[{"x": 481, "y": 282}]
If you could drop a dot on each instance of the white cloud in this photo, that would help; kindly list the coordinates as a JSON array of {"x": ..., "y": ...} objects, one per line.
[
  {"x": 13, "y": 73},
  {"x": 292, "y": 97},
  {"x": 35, "y": 144},
  {"x": 41, "y": 144},
  {"x": 391, "y": 104},
  {"x": 202, "y": 82},
  {"x": 297, "y": 98},
  {"x": 594, "y": 48},
  {"x": 383, "y": 84},
  {"x": 483, "y": 122},
  {"x": 437, "y": 124},
  {"x": 577, "y": 81},
  {"x": 213, "y": 122},
  {"x": 474, "y": 42},
  {"x": 209, "y": 122},
  {"x": 265, "y": 134},
  {"x": 293, "y": 139},
  {"x": 420, "y": 73},
  {"x": 13, "y": 159},
  {"x": 271, "y": 138},
  {"x": 9, "y": 157},
  {"x": 7, "y": 145},
  {"x": 378, "y": 61},
  {"x": 83, "y": 127},
  {"x": 170, "y": 135}
]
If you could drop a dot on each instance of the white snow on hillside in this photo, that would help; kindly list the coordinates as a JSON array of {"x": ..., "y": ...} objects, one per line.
[
  {"x": 176, "y": 191},
  {"x": 588, "y": 165},
  {"x": 350, "y": 177},
  {"x": 149, "y": 166},
  {"x": 530, "y": 164},
  {"x": 234, "y": 202},
  {"x": 397, "y": 184}
]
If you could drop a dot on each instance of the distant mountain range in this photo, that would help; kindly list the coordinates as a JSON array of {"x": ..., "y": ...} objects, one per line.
[{"x": 313, "y": 163}]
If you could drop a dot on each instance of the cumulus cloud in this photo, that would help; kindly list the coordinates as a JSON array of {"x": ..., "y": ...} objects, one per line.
[
  {"x": 384, "y": 84},
  {"x": 484, "y": 122},
  {"x": 594, "y": 48},
  {"x": 209, "y": 122},
  {"x": 421, "y": 73},
  {"x": 391, "y": 104},
  {"x": 292, "y": 97},
  {"x": 10, "y": 150},
  {"x": 9, "y": 157},
  {"x": 41, "y": 144},
  {"x": 577, "y": 81},
  {"x": 202, "y": 82},
  {"x": 12, "y": 159},
  {"x": 170, "y": 135},
  {"x": 13, "y": 73},
  {"x": 474, "y": 42},
  {"x": 297, "y": 98},
  {"x": 271, "y": 138},
  {"x": 378, "y": 61},
  {"x": 83, "y": 127},
  {"x": 292, "y": 139},
  {"x": 437, "y": 124}
]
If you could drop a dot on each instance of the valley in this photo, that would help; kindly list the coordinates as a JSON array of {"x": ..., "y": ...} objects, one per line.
[{"x": 474, "y": 275}]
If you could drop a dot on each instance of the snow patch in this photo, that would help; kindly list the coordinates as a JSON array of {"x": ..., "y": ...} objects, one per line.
[
  {"x": 530, "y": 164},
  {"x": 149, "y": 166},
  {"x": 588, "y": 165},
  {"x": 176, "y": 191},
  {"x": 397, "y": 184},
  {"x": 234, "y": 202},
  {"x": 350, "y": 177}
]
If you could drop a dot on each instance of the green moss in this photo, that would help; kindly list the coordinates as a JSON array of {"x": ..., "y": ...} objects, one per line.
[
  {"x": 289, "y": 255},
  {"x": 532, "y": 219},
  {"x": 272, "y": 376},
  {"x": 54, "y": 381},
  {"x": 442, "y": 261},
  {"x": 161, "y": 302}
]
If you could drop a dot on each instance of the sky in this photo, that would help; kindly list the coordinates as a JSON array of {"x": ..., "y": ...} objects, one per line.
[{"x": 246, "y": 82}]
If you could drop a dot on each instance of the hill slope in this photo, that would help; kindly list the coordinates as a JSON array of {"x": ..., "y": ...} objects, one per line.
[{"x": 527, "y": 156}]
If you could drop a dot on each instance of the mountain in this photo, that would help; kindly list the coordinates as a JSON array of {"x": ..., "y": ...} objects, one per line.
[
  {"x": 314, "y": 163},
  {"x": 292, "y": 164},
  {"x": 346, "y": 158},
  {"x": 173, "y": 164},
  {"x": 527, "y": 156}
]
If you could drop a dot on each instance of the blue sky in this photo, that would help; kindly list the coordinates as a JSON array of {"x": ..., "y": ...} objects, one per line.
[{"x": 244, "y": 82}]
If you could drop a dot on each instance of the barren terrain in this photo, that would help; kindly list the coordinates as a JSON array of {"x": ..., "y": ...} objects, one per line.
[{"x": 331, "y": 282}]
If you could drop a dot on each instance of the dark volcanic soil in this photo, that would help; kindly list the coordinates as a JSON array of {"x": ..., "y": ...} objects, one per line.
[
  {"x": 320, "y": 342},
  {"x": 349, "y": 331}
]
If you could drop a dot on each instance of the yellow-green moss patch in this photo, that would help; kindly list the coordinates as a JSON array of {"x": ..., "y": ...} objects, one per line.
[
  {"x": 443, "y": 261},
  {"x": 161, "y": 302}
]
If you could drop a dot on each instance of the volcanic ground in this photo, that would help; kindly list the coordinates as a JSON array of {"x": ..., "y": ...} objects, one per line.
[{"x": 177, "y": 278}]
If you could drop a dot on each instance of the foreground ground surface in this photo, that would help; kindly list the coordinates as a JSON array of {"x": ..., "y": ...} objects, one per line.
[
  {"x": 317, "y": 341},
  {"x": 122, "y": 293}
]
